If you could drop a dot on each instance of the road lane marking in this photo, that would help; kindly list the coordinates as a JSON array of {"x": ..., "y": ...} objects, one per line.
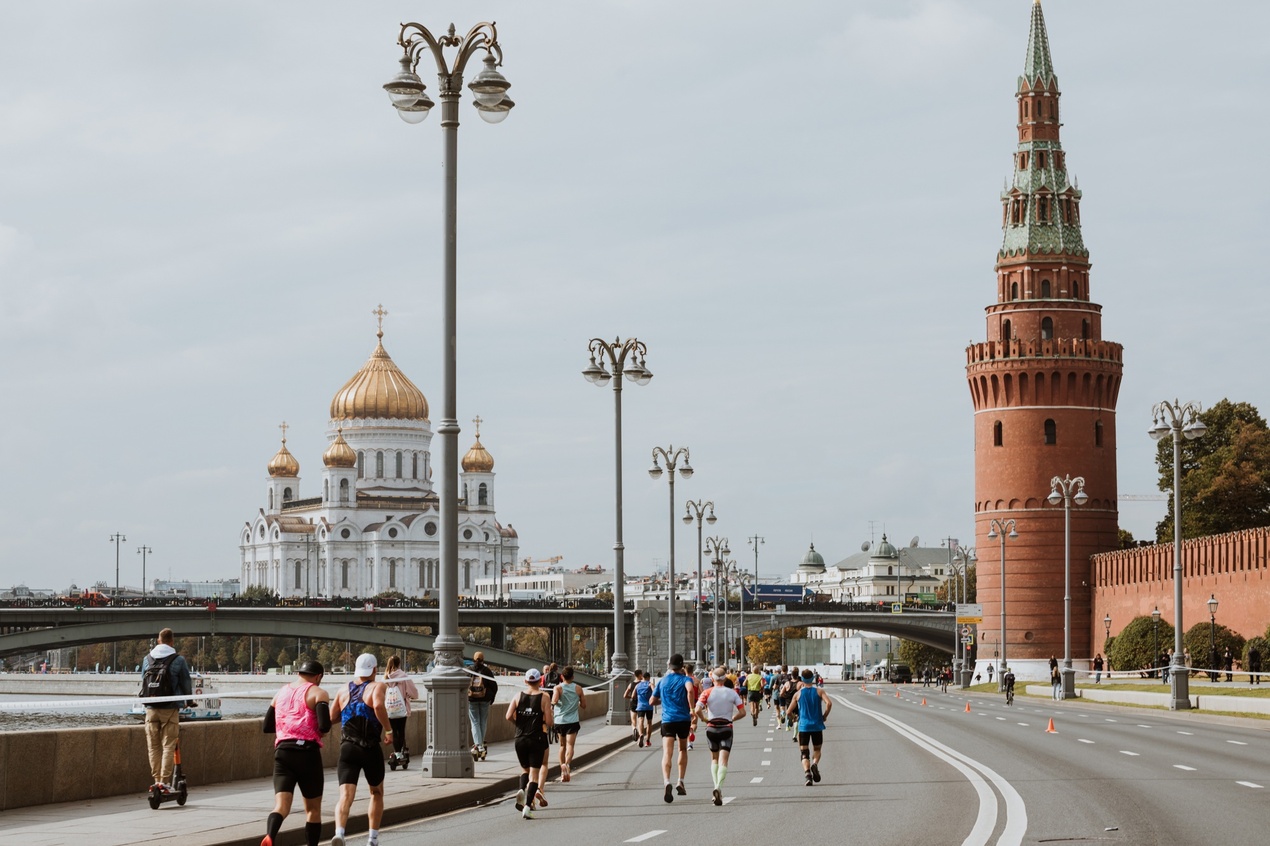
[
  {"x": 1237, "y": 742},
  {"x": 728, "y": 799},
  {"x": 1107, "y": 719},
  {"x": 1141, "y": 726},
  {"x": 765, "y": 763},
  {"x": 1127, "y": 752},
  {"x": 767, "y": 749},
  {"x": 1083, "y": 740},
  {"x": 1025, "y": 725},
  {"x": 648, "y": 835},
  {"x": 1251, "y": 784},
  {"x": 1187, "y": 733},
  {"x": 1002, "y": 719},
  {"x": 756, "y": 780},
  {"x": 1184, "y": 767}
]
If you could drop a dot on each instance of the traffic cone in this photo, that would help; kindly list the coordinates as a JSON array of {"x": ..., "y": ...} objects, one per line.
[
  {"x": 897, "y": 694},
  {"x": 923, "y": 701},
  {"x": 878, "y": 691},
  {"x": 1050, "y": 729},
  {"x": 967, "y": 707}
]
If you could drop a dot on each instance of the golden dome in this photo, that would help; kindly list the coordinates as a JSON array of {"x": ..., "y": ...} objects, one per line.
[
  {"x": 284, "y": 463},
  {"x": 339, "y": 453},
  {"x": 378, "y": 391},
  {"x": 478, "y": 459}
]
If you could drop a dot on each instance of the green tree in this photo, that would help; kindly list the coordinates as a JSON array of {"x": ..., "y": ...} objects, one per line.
[
  {"x": 945, "y": 592},
  {"x": 1135, "y": 647},
  {"x": 1225, "y": 474},
  {"x": 1200, "y": 637},
  {"x": 765, "y": 648},
  {"x": 919, "y": 656},
  {"x": 1125, "y": 539}
]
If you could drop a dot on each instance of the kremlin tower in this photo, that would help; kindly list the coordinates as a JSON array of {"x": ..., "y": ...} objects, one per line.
[{"x": 1044, "y": 387}]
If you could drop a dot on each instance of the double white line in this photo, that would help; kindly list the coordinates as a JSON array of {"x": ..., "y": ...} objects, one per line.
[{"x": 976, "y": 773}]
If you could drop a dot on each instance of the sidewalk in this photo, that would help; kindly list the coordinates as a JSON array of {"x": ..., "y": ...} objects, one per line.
[{"x": 233, "y": 813}]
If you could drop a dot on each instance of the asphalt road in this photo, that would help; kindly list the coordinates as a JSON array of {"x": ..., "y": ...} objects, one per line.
[{"x": 900, "y": 772}]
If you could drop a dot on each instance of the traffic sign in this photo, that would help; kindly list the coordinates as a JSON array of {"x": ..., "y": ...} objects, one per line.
[
  {"x": 969, "y": 612},
  {"x": 897, "y": 608},
  {"x": 968, "y": 640},
  {"x": 965, "y": 630}
]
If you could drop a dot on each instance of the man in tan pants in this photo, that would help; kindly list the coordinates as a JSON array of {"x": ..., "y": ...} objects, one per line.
[{"x": 163, "y": 673}]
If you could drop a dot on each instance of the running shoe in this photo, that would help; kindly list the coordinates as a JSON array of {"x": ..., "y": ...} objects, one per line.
[
  {"x": 670, "y": 794},
  {"x": 815, "y": 772},
  {"x": 267, "y": 841},
  {"x": 540, "y": 798},
  {"x": 680, "y": 789},
  {"x": 635, "y": 733},
  {"x": 337, "y": 840},
  {"x": 718, "y": 797},
  {"x": 527, "y": 814},
  {"x": 520, "y": 799},
  {"x": 809, "y": 779}
]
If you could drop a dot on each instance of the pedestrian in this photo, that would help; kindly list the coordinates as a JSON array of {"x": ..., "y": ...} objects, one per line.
[
  {"x": 811, "y": 705},
  {"x": 1056, "y": 682},
  {"x": 362, "y": 713},
  {"x": 644, "y": 708},
  {"x": 1254, "y": 665},
  {"x": 567, "y": 701},
  {"x": 299, "y": 715},
  {"x": 531, "y": 712},
  {"x": 675, "y": 692},
  {"x": 1228, "y": 661},
  {"x": 400, "y": 692},
  {"x": 1098, "y": 668},
  {"x": 164, "y": 673},
  {"x": 720, "y": 706},
  {"x": 480, "y": 696},
  {"x": 989, "y": 674}
]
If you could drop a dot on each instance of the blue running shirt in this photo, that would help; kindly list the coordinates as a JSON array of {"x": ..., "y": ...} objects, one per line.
[
  {"x": 643, "y": 691},
  {"x": 672, "y": 690},
  {"x": 810, "y": 717}
]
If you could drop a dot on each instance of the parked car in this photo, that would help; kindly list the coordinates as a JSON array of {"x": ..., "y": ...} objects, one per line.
[{"x": 900, "y": 674}]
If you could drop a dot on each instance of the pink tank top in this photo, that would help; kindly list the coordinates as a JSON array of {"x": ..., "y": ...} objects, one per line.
[{"x": 293, "y": 718}]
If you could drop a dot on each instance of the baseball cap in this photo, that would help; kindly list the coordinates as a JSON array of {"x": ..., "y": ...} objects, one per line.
[
  {"x": 366, "y": 665},
  {"x": 311, "y": 668},
  {"x": 533, "y": 675}
]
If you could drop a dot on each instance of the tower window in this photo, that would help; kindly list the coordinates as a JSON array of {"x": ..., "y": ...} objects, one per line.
[
  {"x": 399, "y": 464},
  {"x": 1097, "y": 433},
  {"x": 286, "y": 495},
  {"x": 1084, "y": 329},
  {"x": 298, "y": 572},
  {"x": 1045, "y": 289},
  {"x": 1040, "y": 160},
  {"x": 414, "y": 465},
  {"x": 1026, "y": 109},
  {"x": 1047, "y": 328},
  {"x": 1075, "y": 289},
  {"x": 1014, "y": 290},
  {"x": 379, "y": 464},
  {"x": 361, "y": 464},
  {"x": 996, "y": 433},
  {"x": 1051, "y": 433},
  {"x": 1005, "y": 330},
  {"x": 344, "y": 575},
  {"x": 343, "y": 490},
  {"x": 1022, "y": 161},
  {"x": 482, "y": 494}
]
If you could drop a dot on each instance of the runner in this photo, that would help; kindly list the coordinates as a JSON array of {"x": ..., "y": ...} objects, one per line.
[
  {"x": 644, "y": 708},
  {"x": 568, "y": 699},
  {"x": 675, "y": 692},
  {"x": 363, "y": 715},
  {"x": 633, "y": 703},
  {"x": 299, "y": 715},
  {"x": 754, "y": 688},
  {"x": 719, "y": 706},
  {"x": 767, "y": 687},
  {"x": 531, "y": 713},
  {"x": 783, "y": 691},
  {"x": 812, "y": 706}
]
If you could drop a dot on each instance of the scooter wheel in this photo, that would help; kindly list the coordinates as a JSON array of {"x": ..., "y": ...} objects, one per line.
[
  {"x": 182, "y": 794},
  {"x": 154, "y": 800},
  {"x": 392, "y": 764},
  {"x": 405, "y": 763}
]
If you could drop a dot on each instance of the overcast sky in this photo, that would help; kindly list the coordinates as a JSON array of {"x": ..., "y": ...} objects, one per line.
[{"x": 795, "y": 206}]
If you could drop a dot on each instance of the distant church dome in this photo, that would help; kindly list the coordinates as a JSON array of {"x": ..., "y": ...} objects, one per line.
[
  {"x": 284, "y": 465},
  {"x": 339, "y": 453},
  {"x": 379, "y": 391},
  {"x": 813, "y": 561},
  {"x": 478, "y": 459},
  {"x": 885, "y": 550}
]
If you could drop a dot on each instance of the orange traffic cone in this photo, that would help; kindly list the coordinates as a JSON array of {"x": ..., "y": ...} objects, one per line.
[
  {"x": 923, "y": 700},
  {"x": 878, "y": 691},
  {"x": 1050, "y": 729},
  {"x": 897, "y": 694},
  {"x": 967, "y": 707}
]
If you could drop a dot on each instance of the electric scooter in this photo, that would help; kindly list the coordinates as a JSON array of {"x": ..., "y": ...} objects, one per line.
[
  {"x": 400, "y": 759},
  {"x": 177, "y": 792}
]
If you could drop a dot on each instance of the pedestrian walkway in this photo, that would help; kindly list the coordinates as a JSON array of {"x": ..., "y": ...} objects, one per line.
[{"x": 233, "y": 813}]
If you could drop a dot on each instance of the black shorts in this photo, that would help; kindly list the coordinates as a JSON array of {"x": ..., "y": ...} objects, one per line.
[
  {"x": 567, "y": 728},
  {"x": 644, "y": 715},
  {"x": 816, "y": 738},
  {"x": 356, "y": 759},
  {"x": 298, "y": 765},
  {"x": 756, "y": 696},
  {"x": 676, "y": 729},
  {"x": 529, "y": 750},
  {"x": 720, "y": 738}
]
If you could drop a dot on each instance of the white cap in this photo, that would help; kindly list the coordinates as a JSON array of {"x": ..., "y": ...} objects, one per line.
[
  {"x": 533, "y": 675},
  {"x": 366, "y": 665}
]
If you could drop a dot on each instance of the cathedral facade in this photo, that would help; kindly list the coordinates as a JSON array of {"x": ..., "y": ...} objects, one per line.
[{"x": 375, "y": 526}]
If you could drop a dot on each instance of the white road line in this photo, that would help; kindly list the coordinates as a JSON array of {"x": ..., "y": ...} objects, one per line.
[
  {"x": 1108, "y": 719},
  {"x": 1187, "y": 733},
  {"x": 767, "y": 749},
  {"x": 756, "y": 780},
  {"x": 1184, "y": 767},
  {"x": 1127, "y": 752},
  {"x": 1141, "y": 726},
  {"x": 648, "y": 835},
  {"x": 727, "y": 799},
  {"x": 765, "y": 763},
  {"x": 1251, "y": 784},
  {"x": 1237, "y": 742},
  {"x": 1083, "y": 740}
]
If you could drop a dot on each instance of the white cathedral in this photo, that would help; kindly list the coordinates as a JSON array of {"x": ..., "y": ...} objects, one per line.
[{"x": 375, "y": 527}]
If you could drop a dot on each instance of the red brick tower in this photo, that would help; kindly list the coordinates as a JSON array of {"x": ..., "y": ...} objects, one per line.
[{"x": 1044, "y": 387}]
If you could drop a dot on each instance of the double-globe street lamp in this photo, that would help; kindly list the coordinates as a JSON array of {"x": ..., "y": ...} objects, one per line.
[
  {"x": 447, "y": 755},
  {"x": 1180, "y": 421},
  {"x": 961, "y": 561},
  {"x": 718, "y": 549},
  {"x": 143, "y": 551},
  {"x": 1002, "y": 529},
  {"x": 1066, "y": 491},
  {"x": 117, "y": 538},
  {"x": 615, "y": 355},
  {"x": 699, "y": 509},
  {"x": 671, "y": 457}
]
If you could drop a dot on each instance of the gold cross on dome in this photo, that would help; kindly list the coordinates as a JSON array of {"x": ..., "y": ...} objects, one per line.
[
  {"x": 477, "y": 421},
  {"x": 283, "y": 426},
  {"x": 380, "y": 313}
]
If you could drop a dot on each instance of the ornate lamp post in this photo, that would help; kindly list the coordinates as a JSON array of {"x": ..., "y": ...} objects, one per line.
[
  {"x": 671, "y": 457},
  {"x": 143, "y": 551},
  {"x": 1067, "y": 490},
  {"x": 964, "y": 557},
  {"x": 1179, "y": 420},
  {"x": 1212, "y": 635},
  {"x": 1106, "y": 624},
  {"x": 1002, "y": 529},
  {"x": 447, "y": 755},
  {"x": 718, "y": 550},
  {"x": 117, "y": 538},
  {"x": 698, "y": 510},
  {"x": 1155, "y": 629},
  {"x": 615, "y": 355},
  {"x": 742, "y": 578}
]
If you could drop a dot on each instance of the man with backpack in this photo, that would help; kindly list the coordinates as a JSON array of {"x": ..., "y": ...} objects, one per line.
[{"x": 163, "y": 673}]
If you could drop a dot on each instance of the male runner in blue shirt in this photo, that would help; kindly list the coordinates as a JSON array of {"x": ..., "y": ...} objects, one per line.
[{"x": 676, "y": 693}]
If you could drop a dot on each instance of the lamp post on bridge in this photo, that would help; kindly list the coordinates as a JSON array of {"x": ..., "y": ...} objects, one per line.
[
  {"x": 143, "y": 551},
  {"x": 717, "y": 548},
  {"x": 698, "y": 509},
  {"x": 671, "y": 457},
  {"x": 1066, "y": 491},
  {"x": 117, "y": 538}
]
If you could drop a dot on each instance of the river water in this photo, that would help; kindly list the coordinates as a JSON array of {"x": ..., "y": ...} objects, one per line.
[{"x": 85, "y": 711}]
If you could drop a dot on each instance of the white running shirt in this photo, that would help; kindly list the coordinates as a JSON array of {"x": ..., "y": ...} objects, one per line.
[{"x": 721, "y": 702}]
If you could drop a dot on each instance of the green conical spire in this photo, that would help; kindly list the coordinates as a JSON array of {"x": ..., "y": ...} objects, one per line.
[{"x": 1037, "y": 62}]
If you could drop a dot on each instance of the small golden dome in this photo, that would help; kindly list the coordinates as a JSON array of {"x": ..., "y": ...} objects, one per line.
[
  {"x": 478, "y": 459},
  {"x": 339, "y": 453},
  {"x": 284, "y": 464},
  {"x": 379, "y": 391}
]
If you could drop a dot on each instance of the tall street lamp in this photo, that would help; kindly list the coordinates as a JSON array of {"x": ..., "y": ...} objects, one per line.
[
  {"x": 671, "y": 457},
  {"x": 1106, "y": 624},
  {"x": 615, "y": 355},
  {"x": 1212, "y": 635},
  {"x": 962, "y": 559},
  {"x": 1179, "y": 420},
  {"x": 742, "y": 578},
  {"x": 448, "y": 729},
  {"x": 143, "y": 552},
  {"x": 117, "y": 538},
  {"x": 717, "y": 548},
  {"x": 699, "y": 509},
  {"x": 1002, "y": 529},
  {"x": 754, "y": 541},
  {"x": 1155, "y": 627},
  {"x": 1067, "y": 490}
]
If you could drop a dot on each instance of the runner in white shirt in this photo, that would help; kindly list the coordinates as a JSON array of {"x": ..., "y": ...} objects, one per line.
[{"x": 719, "y": 705}]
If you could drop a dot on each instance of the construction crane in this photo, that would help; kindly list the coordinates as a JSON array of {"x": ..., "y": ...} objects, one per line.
[{"x": 527, "y": 564}]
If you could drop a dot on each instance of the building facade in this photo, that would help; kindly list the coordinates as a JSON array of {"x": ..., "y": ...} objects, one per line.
[
  {"x": 1044, "y": 386},
  {"x": 375, "y": 526}
]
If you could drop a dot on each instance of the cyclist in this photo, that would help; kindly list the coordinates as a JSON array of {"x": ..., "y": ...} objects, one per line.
[{"x": 1007, "y": 684}]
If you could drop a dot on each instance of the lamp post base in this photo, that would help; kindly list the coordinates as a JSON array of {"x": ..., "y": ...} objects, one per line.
[
  {"x": 1179, "y": 688},
  {"x": 1069, "y": 682},
  {"x": 618, "y": 714},
  {"x": 449, "y": 731}
]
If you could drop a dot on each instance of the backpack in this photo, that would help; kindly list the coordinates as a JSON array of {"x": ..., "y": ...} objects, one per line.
[
  {"x": 395, "y": 703},
  {"x": 157, "y": 679},
  {"x": 476, "y": 690}
]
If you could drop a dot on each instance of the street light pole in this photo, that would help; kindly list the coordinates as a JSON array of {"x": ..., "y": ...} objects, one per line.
[
  {"x": 698, "y": 509},
  {"x": 1179, "y": 420},
  {"x": 718, "y": 548},
  {"x": 118, "y": 538},
  {"x": 1212, "y": 636},
  {"x": 1003, "y": 529},
  {"x": 143, "y": 551},
  {"x": 965, "y": 555},
  {"x": 671, "y": 456},
  {"x": 1155, "y": 629},
  {"x": 615, "y": 355},
  {"x": 448, "y": 730},
  {"x": 1066, "y": 491}
]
